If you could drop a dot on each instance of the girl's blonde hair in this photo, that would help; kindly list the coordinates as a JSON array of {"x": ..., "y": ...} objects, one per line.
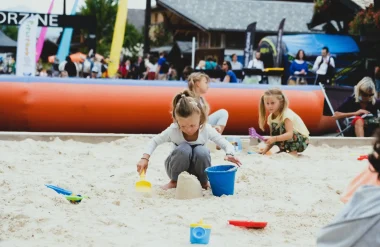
[
  {"x": 184, "y": 105},
  {"x": 366, "y": 85},
  {"x": 191, "y": 80},
  {"x": 275, "y": 92},
  {"x": 195, "y": 77}
]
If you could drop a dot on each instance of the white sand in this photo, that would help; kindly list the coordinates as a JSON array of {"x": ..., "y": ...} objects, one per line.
[{"x": 297, "y": 196}]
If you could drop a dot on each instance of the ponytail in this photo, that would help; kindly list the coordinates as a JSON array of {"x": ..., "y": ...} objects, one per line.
[{"x": 184, "y": 106}]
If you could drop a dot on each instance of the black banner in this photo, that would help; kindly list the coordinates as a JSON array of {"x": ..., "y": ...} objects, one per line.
[
  {"x": 279, "y": 44},
  {"x": 49, "y": 20},
  {"x": 249, "y": 42}
]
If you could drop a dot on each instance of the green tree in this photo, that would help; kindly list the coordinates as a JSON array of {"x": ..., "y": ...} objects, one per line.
[
  {"x": 132, "y": 37},
  {"x": 159, "y": 35},
  {"x": 105, "y": 12},
  {"x": 10, "y": 31}
]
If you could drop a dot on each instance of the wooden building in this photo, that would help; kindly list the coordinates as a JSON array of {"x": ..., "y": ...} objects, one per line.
[{"x": 219, "y": 25}]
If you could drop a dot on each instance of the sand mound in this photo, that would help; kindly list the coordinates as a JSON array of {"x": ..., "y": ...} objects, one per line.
[{"x": 188, "y": 187}]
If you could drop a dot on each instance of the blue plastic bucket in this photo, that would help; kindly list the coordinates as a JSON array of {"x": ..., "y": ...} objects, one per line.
[{"x": 222, "y": 179}]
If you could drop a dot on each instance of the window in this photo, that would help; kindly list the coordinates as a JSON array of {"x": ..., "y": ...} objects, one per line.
[
  {"x": 235, "y": 40},
  {"x": 203, "y": 40},
  {"x": 216, "y": 40}
]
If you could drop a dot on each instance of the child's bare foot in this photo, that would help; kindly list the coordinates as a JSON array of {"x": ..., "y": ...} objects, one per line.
[
  {"x": 206, "y": 186},
  {"x": 294, "y": 153},
  {"x": 171, "y": 185}
]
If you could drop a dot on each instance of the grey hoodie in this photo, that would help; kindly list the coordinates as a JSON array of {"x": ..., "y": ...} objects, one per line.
[{"x": 358, "y": 225}]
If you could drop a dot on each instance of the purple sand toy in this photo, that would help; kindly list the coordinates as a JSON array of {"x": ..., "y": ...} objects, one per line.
[{"x": 253, "y": 134}]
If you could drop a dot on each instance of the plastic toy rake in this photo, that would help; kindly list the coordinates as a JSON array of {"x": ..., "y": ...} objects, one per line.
[{"x": 253, "y": 134}]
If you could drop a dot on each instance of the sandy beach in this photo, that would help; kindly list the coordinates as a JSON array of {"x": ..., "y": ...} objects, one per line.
[{"x": 296, "y": 196}]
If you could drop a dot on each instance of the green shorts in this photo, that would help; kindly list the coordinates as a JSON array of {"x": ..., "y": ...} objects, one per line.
[{"x": 298, "y": 142}]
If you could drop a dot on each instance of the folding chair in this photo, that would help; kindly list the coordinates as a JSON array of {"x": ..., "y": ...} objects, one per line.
[
  {"x": 341, "y": 132},
  {"x": 348, "y": 124}
]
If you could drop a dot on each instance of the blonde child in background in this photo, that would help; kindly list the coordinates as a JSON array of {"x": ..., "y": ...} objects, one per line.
[
  {"x": 198, "y": 84},
  {"x": 287, "y": 129},
  {"x": 189, "y": 133}
]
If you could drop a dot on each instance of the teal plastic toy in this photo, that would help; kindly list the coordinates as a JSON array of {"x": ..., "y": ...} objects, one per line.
[
  {"x": 200, "y": 233},
  {"x": 67, "y": 193}
]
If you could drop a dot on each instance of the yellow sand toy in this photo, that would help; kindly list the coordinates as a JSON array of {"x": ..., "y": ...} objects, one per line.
[{"x": 143, "y": 185}]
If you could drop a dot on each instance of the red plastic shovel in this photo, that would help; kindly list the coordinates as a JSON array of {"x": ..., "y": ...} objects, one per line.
[
  {"x": 248, "y": 224},
  {"x": 363, "y": 157}
]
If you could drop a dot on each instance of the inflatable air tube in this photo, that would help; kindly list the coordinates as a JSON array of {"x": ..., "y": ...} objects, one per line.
[{"x": 137, "y": 106}]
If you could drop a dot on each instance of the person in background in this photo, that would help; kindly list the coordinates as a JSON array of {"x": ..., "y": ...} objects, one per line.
[
  {"x": 362, "y": 102},
  {"x": 299, "y": 68},
  {"x": 1, "y": 65},
  {"x": 147, "y": 65},
  {"x": 322, "y": 65},
  {"x": 88, "y": 63},
  {"x": 104, "y": 68},
  {"x": 43, "y": 73},
  {"x": 55, "y": 67},
  {"x": 255, "y": 63},
  {"x": 70, "y": 67},
  {"x": 122, "y": 69},
  {"x": 230, "y": 75},
  {"x": 94, "y": 72},
  {"x": 151, "y": 68},
  {"x": 201, "y": 65},
  {"x": 210, "y": 63},
  {"x": 186, "y": 72},
  {"x": 162, "y": 67},
  {"x": 235, "y": 64},
  {"x": 79, "y": 67},
  {"x": 39, "y": 67},
  {"x": 132, "y": 72},
  {"x": 140, "y": 68},
  {"x": 64, "y": 74},
  {"x": 172, "y": 74}
]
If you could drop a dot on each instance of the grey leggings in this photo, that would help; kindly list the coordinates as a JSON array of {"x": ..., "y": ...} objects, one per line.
[
  {"x": 220, "y": 117},
  {"x": 191, "y": 158}
]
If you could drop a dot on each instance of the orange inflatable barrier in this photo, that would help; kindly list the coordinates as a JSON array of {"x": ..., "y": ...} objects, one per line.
[{"x": 135, "y": 106}]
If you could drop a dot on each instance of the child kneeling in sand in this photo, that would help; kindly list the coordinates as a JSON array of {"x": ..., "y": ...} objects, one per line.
[
  {"x": 287, "y": 129},
  {"x": 189, "y": 133}
]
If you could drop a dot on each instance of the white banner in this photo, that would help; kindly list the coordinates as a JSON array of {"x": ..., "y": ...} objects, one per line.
[{"x": 26, "y": 47}]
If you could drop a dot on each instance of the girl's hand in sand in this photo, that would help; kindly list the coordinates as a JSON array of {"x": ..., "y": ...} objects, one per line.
[
  {"x": 233, "y": 159},
  {"x": 265, "y": 150},
  {"x": 271, "y": 140},
  {"x": 142, "y": 166}
]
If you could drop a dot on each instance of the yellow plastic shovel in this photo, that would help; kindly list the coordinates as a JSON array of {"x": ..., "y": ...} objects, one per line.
[{"x": 143, "y": 185}]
